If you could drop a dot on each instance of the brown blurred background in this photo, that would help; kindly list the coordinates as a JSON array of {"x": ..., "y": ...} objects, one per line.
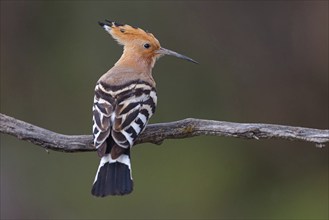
[{"x": 259, "y": 62}]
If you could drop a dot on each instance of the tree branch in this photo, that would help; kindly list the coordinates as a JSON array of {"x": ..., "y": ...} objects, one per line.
[{"x": 157, "y": 133}]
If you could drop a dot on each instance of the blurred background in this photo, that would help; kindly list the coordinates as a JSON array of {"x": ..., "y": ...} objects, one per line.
[{"x": 259, "y": 62}]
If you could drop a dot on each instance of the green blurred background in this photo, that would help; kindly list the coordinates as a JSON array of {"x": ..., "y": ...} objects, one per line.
[{"x": 259, "y": 62}]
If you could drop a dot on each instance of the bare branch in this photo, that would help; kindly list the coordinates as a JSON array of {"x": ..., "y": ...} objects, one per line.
[{"x": 157, "y": 133}]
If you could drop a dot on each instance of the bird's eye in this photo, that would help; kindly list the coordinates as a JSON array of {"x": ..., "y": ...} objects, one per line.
[{"x": 147, "y": 46}]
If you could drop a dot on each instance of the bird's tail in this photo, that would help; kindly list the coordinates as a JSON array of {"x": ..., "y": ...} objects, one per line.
[{"x": 113, "y": 177}]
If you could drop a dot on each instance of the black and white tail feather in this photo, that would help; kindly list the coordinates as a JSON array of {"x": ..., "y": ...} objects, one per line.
[{"x": 120, "y": 114}]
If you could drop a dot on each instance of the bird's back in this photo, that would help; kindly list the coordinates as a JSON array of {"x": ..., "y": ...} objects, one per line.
[
  {"x": 125, "y": 99},
  {"x": 123, "y": 75}
]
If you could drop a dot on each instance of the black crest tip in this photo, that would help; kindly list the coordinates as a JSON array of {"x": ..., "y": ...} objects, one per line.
[
  {"x": 101, "y": 24},
  {"x": 113, "y": 23}
]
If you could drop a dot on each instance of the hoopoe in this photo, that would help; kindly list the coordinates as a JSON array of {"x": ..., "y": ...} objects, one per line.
[{"x": 125, "y": 99}]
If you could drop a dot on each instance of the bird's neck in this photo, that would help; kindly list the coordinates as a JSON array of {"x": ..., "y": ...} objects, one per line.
[{"x": 135, "y": 61}]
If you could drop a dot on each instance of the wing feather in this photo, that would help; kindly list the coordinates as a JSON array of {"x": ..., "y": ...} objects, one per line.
[
  {"x": 121, "y": 114},
  {"x": 133, "y": 114},
  {"x": 102, "y": 113}
]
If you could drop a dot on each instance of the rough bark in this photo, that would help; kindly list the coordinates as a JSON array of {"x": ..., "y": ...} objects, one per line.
[{"x": 157, "y": 133}]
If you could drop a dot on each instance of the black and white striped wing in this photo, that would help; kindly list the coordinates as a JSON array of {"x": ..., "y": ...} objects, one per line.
[
  {"x": 133, "y": 110},
  {"x": 102, "y": 112},
  {"x": 121, "y": 113}
]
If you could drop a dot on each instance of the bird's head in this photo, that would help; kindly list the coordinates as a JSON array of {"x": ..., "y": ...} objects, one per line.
[{"x": 138, "y": 42}]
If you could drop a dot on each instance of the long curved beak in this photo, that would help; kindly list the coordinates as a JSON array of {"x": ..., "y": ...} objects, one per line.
[{"x": 165, "y": 51}]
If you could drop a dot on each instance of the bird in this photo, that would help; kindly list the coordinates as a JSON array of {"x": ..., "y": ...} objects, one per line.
[{"x": 124, "y": 100}]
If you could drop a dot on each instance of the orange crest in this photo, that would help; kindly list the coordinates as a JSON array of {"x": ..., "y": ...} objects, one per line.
[
  {"x": 128, "y": 35},
  {"x": 138, "y": 42}
]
